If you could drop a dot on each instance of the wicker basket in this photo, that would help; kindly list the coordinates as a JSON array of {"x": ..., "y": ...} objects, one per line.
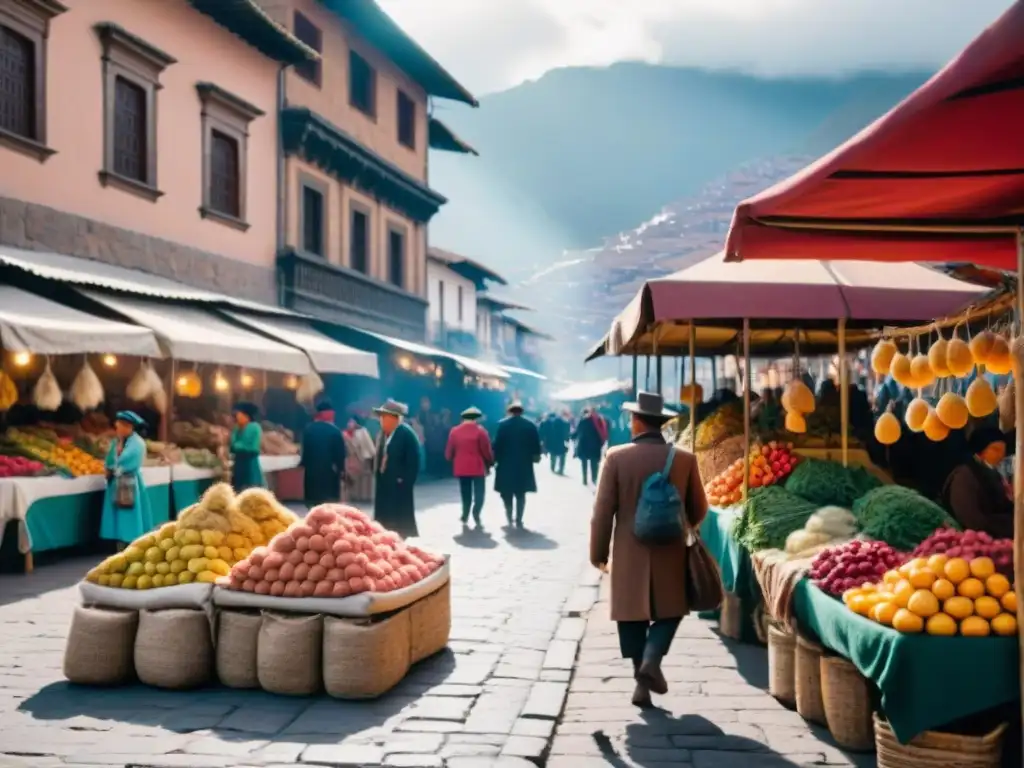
[
  {"x": 730, "y": 620},
  {"x": 807, "y": 676},
  {"x": 847, "y": 698},
  {"x": 762, "y": 622},
  {"x": 430, "y": 624},
  {"x": 781, "y": 664},
  {"x": 933, "y": 749}
]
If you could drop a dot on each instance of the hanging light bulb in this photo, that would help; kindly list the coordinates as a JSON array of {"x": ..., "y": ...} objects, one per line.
[
  {"x": 21, "y": 359},
  {"x": 220, "y": 383},
  {"x": 291, "y": 381},
  {"x": 110, "y": 361},
  {"x": 405, "y": 363},
  {"x": 247, "y": 381}
]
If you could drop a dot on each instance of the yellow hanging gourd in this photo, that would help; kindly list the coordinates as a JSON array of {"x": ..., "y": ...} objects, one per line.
[
  {"x": 900, "y": 370},
  {"x": 882, "y": 355},
  {"x": 887, "y": 429},
  {"x": 980, "y": 399},
  {"x": 999, "y": 361},
  {"x": 798, "y": 397},
  {"x": 921, "y": 371},
  {"x": 916, "y": 413},
  {"x": 959, "y": 359},
  {"x": 981, "y": 346},
  {"x": 934, "y": 429},
  {"x": 795, "y": 422},
  {"x": 952, "y": 411}
]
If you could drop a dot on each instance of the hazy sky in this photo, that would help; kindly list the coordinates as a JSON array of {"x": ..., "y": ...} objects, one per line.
[{"x": 490, "y": 45}]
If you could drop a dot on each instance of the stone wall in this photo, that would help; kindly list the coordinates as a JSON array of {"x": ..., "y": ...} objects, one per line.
[{"x": 39, "y": 228}]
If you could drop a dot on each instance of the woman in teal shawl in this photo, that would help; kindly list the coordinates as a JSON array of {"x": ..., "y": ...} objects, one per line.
[
  {"x": 123, "y": 522},
  {"x": 246, "y": 437}
]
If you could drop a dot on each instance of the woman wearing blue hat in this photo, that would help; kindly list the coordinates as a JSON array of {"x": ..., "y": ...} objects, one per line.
[
  {"x": 246, "y": 437},
  {"x": 126, "y": 511}
]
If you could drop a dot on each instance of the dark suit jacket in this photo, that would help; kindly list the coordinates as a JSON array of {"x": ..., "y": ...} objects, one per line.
[
  {"x": 516, "y": 450},
  {"x": 323, "y": 459},
  {"x": 393, "y": 503}
]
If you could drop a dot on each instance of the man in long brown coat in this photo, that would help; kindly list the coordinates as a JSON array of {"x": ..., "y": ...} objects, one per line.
[{"x": 648, "y": 595}]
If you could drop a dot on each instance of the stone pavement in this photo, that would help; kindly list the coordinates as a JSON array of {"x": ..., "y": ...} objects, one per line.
[
  {"x": 717, "y": 714},
  {"x": 491, "y": 700}
]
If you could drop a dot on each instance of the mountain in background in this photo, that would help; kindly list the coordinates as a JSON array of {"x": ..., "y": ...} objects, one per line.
[{"x": 570, "y": 161}]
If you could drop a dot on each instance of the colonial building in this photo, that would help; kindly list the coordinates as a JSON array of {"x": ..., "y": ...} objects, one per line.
[
  {"x": 453, "y": 283},
  {"x": 144, "y": 134},
  {"x": 355, "y": 129}
]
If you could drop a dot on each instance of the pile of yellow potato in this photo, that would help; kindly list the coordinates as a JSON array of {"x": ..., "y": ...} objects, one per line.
[
  {"x": 940, "y": 596},
  {"x": 202, "y": 545}
]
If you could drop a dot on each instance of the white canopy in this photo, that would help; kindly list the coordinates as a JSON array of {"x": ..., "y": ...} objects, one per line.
[
  {"x": 31, "y": 323},
  {"x": 474, "y": 366},
  {"x": 524, "y": 372},
  {"x": 588, "y": 390},
  {"x": 327, "y": 355},
  {"x": 189, "y": 333}
]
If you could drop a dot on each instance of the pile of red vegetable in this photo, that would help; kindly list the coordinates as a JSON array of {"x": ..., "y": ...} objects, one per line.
[
  {"x": 16, "y": 466},
  {"x": 969, "y": 545},
  {"x": 852, "y": 564}
]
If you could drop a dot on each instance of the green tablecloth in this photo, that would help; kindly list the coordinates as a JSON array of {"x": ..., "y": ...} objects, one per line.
[
  {"x": 926, "y": 682},
  {"x": 733, "y": 559}
]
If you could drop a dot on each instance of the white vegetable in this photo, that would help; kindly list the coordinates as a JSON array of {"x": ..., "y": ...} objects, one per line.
[
  {"x": 47, "y": 395},
  {"x": 802, "y": 540},
  {"x": 835, "y": 521},
  {"x": 139, "y": 387},
  {"x": 310, "y": 386},
  {"x": 86, "y": 390}
]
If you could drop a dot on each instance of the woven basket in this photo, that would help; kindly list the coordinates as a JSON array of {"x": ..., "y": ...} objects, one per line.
[
  {"x": 933, "y": 749},
  {"x": 762, "y": 622},
  {"x": 430, "y": 624},
  {"x": 781, "y": 664},
  {"x": 366, "y": 659},
  {"x": 847, "y": 698},
  {"x": 809, "y": 703},
  {"x": 730, "y": 620}
]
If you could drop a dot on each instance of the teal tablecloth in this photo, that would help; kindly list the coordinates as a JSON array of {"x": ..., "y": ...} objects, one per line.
[
  {"x": 733, "y": 559},
  {"x": 925, "y": 681}
]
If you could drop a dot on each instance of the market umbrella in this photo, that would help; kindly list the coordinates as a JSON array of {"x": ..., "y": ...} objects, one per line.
[{"x": 938, "y": 178}]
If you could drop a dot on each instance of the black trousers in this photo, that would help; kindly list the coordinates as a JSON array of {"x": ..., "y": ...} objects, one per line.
[
  {"x": 592, "y": 465},
  {"x": 646, "y": 640},
  {"x": 557, "y": 463},
  {"x": 472, "y": 490},
  {"x": 520, "y": 505}
]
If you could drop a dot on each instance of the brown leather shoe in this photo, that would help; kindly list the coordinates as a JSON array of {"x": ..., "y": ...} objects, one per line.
[
  {"x": 650, "y": 676},
  {"x": 642, "y": 697}
]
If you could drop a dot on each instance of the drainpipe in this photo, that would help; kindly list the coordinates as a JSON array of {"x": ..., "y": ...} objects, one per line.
[{"x": 282, "y": 182}]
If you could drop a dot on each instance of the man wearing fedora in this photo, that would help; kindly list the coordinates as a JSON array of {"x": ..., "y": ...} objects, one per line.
[
  {"x": 648, "y": 581},
  {"x": 516, "y": 449},
  {"x": 397, "y": 466},
  {"x": 469, "y": 452}
]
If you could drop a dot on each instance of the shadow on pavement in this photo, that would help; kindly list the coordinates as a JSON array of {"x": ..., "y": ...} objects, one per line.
[
  {"x": 751, "y": 660},
  {"x": 524, "y": 538},
  {"x": 15, "y": 587},
  {"x": 475, "y": 538}
]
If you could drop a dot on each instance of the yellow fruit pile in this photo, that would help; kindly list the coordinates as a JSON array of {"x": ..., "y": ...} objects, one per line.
[
  {"x": 940, "y": 596},
  {"x": 202, "y": 545}
]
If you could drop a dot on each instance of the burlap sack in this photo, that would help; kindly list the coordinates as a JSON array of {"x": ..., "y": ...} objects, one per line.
[
  {"x": 100, "y": 646},
  {"x": 238, "y": 634},
  {"x": 173, "y": 648},
  {"x": 364, "y": 659},
  {"x": 288, "y": 654},
  {"x": 430, "y": 624}
]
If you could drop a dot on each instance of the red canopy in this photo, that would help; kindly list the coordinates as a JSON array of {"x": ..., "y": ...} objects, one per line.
[{"x": 938, "y": 178}]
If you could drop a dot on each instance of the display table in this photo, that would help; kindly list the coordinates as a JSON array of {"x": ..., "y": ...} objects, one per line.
[
  {"x": 925, "y": 681},
  {"x": 188, "y": 484},
  {"x": 158, "y": 489},
  {"x": 734, "y": 562},
  {"x": 52, "y": 512},
  {"x": 278, "y": 463}
]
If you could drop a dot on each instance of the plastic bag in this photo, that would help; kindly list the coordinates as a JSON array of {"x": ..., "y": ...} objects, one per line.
[
  {"x": 138, "y": 388},
  {"x": 86, "y": 390},
  {"x": 47, "y": 395}
]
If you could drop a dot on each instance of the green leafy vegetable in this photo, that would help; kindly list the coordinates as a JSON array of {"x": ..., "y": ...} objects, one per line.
[
  {"x": 769, "y": 516},
  {"x": 899, "y": 516},
  {"x": 828, "y": 483}
]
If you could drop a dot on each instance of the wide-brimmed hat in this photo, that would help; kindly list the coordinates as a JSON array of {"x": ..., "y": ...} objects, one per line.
[
  {"x": 471, "y": 413},
  {"x": 650, "y": 405},
  {"x": 130, "y": 417},
  {"x": 249, "y": 409},
  {"x": 515, "y": 405},
  {"x": 393, "y": 408}
]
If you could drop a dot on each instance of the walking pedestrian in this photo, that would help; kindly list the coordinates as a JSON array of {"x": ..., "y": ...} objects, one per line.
[
  {"x": 359, "y": 454},
  {"x": 554, "y": 436},
  {"x": 244, "y": 444},
  {"x": 469, "y": 451},
  {"x": 648, "y": 582},
  {"x": 396, "y": 470},
  {"x": 590, "y": 436},
  {"x": 323, "y": 458},
  {"x": 516, "y": 450}
]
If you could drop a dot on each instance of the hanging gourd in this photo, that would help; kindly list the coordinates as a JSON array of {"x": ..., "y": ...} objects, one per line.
[
  {"x": 999, "y": 362},
  {"x": 86, "y": 390},
  {"x": 899, "y": 369},
  {"x": 46, "y": 394},
  {"x": 916, "y": 413},
  {"x": 921, "y": 369},
  {"x": 8, "y": 391},
  {"x": 882, "y": 355},
  {"x": 795, "y": 422},
  {"x": 798, "y": 398},
  {"x": 937, "y": 356},
  {"x": 952, "y": 411},
  {"x": 981, "y": 346},
  {"x": 980, "y": 399},
  {"x": 959, "y": 359},
  {"x": 934, "y": 429},
  {"x": 887, "y": 428}
]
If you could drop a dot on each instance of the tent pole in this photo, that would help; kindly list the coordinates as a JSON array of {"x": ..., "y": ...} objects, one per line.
[
  {"x": 657, "y": 374},
  {"x": 647, "y": 373},
  {"x": 1018, "y": 473},
  {"x": 844, "y": 395},
  {"x": 693, "y": 388},
  {"x": 636, "y": 373},
  {"x": 746, "y": 407}
]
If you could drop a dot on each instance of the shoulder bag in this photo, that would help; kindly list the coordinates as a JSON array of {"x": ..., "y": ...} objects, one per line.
[
  {"x": 704, "y": 591},
  {"x": 124, "y": 491}
]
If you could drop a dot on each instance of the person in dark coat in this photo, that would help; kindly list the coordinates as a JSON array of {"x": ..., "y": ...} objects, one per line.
[
  {"x": 554, "y": 436},
  {"x": 589, "y": 443},
  {"x": 976, "y": 495},
  {"x": 516, "y": 449},
  {"x": 396, "y": 469},
  {"x": 323, "y": 458}
]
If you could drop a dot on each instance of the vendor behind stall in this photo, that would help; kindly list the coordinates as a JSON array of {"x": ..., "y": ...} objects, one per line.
[
  {"x": 975, "y": 493},
  {"x": 126, "y": 511},
  {"x": 246, "y": 436}
]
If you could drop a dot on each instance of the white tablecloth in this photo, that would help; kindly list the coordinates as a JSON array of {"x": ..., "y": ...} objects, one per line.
[
  {"x": 153, "y": 476},
  {"x": 277, "y": 463},
  {"x": 188, "y": 472},
  {"x": 17, "y": 494}
]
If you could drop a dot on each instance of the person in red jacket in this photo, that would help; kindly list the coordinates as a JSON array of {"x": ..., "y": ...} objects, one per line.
[{"x": 469, "y": 451}]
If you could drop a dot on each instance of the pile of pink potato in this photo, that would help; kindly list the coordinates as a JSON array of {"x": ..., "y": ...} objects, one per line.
[{"x": 336, "y": 551}]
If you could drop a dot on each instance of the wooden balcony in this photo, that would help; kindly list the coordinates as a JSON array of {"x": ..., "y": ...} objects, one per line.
[{"x": 311, "y": 285}]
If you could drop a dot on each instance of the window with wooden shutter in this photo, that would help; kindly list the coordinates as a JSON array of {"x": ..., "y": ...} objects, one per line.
[
  {"x": 396, "y": 258},
  {"x": 130, "y": 131},
  {"x": 17, "y": 84},
  {"x": 224, "y": 175}
]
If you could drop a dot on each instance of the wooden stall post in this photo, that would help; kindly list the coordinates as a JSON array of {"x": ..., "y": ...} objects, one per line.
[
  {"x": 1018, "y": 460},
  {"x": 693, "y": 388},
  {"x": 746, "y": 407},
  {"x": 636, "y": 373},
  {"x": 844, "y": 395},
  {"x": 647, "y": 373},
  {"x": 657, "y": 375},
  {"x": 167, "y": 418}
]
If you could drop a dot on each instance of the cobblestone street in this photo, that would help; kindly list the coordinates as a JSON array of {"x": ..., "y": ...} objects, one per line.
[{"x": 495, "y": 694}]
